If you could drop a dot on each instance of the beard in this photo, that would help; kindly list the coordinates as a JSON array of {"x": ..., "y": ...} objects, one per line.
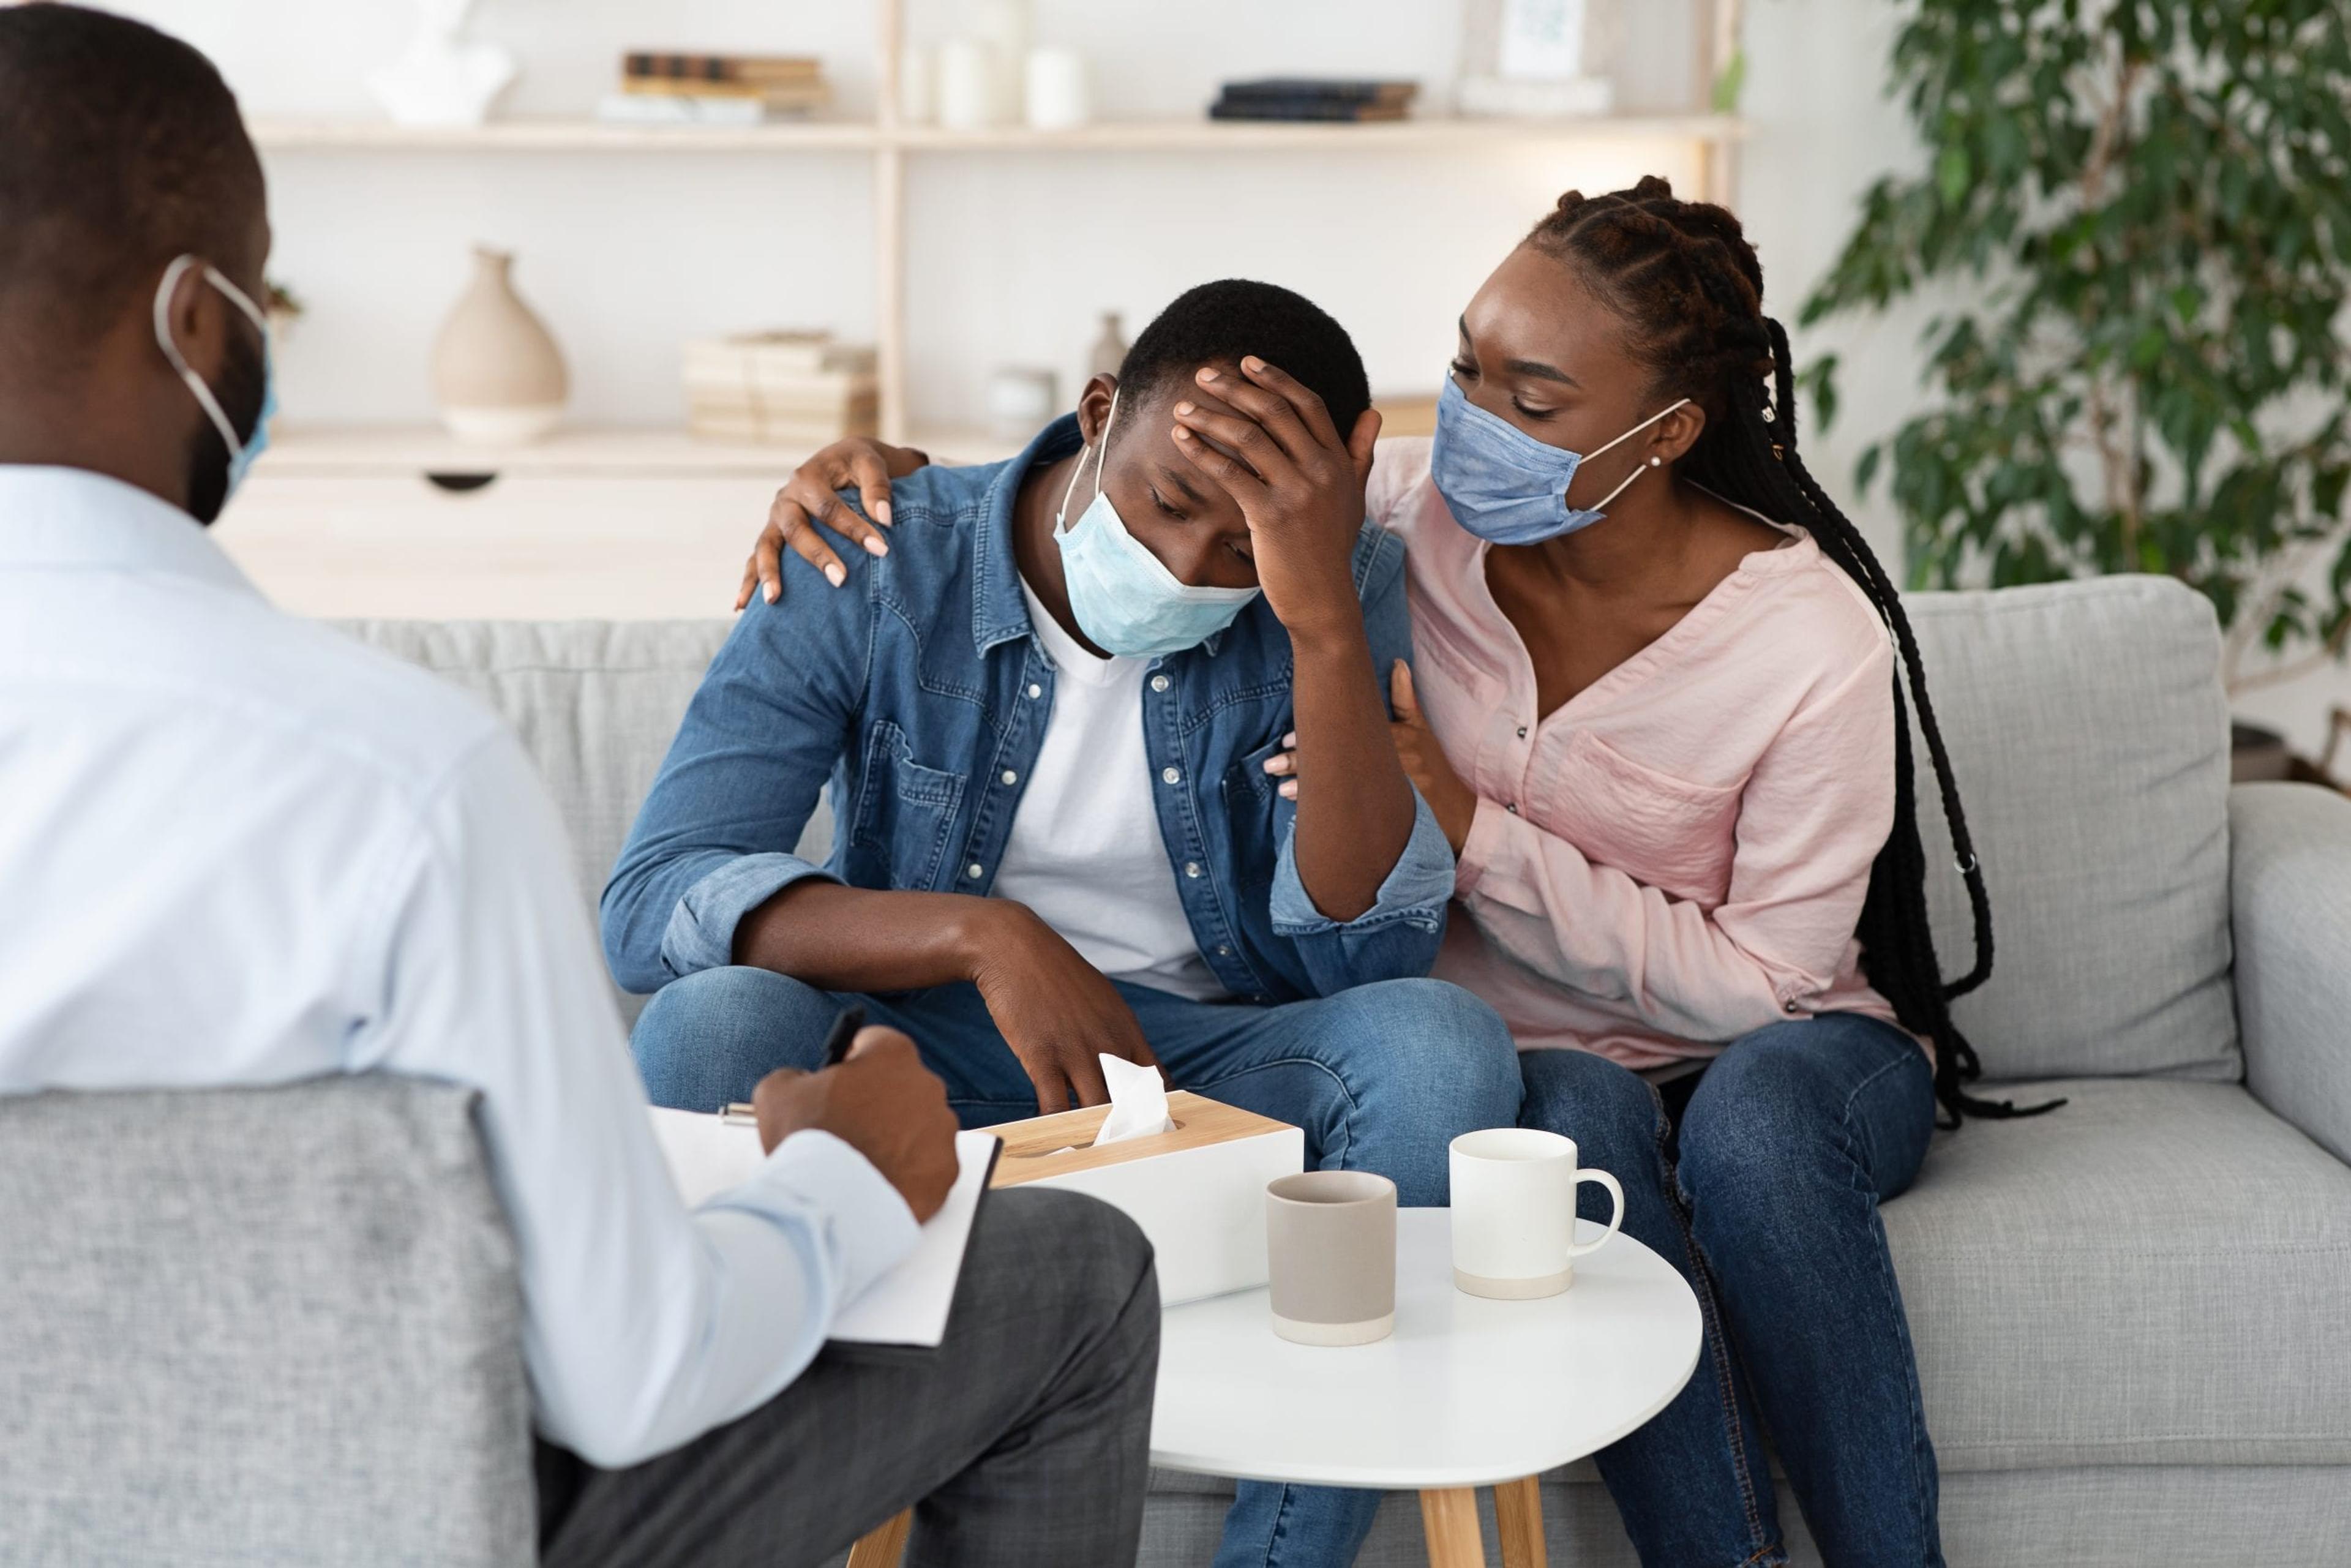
[{"x": 240, "y": 391}]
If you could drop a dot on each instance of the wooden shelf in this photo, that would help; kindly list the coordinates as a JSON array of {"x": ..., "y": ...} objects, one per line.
[
  {"x": 857, "y": 136},
  {"x": 574, "y": 451}
]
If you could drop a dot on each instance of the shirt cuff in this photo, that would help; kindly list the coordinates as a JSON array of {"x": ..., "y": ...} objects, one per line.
[
  {"x": 1416, "y": 886},
  {"x": 1487, "y": 847},
  {"x": 701, "y": 930},
  {"x": 869, "y": 1229}
]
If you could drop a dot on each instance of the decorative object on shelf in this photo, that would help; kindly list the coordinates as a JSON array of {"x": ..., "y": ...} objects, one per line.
[
  {"x": 1006, "y": 27},
  {"x": 1538, "y": 58},
  {"x": 1021, "y": 400},
  {"x": 918, "y": 85},
  {"x": 782, "y": 388},
  {"x": 1059, "y": 98},
  {"x": 1109, "y": 351},
  {"x": 715, "y": 90},
  {"x": 1314, "y": 98},
  {"x": 967, "y": 85},
  {"x": 443, "y": 77},
  {"x": 496, "y": 373}
]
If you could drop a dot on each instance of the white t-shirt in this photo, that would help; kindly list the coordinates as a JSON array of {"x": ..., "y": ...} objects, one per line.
[{"x": 1085, "y": 852}]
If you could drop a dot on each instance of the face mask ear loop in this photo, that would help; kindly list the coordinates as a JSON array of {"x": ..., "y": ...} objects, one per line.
[
  {"x": 203, "y": 395},
  {"x": 1061, "y": 518},
  {"x": 1643, "y": 468}
]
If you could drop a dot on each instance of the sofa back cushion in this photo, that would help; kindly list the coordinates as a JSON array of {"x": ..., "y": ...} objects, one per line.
[
  {"x": 258, "y": 1325},
  {"x": 2090, "y": 738},
  {"x": 2085, "y": 721}
]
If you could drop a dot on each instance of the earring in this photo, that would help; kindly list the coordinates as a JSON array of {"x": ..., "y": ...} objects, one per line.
[{"x": 1657, "y": 463}]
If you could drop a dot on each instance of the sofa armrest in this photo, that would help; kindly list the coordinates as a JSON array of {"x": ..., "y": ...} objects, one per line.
[{"x": 2290, "y": 901}]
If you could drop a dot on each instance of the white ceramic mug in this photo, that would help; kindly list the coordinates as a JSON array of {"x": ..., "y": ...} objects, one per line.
[{"x": 1514, "y": 1212}]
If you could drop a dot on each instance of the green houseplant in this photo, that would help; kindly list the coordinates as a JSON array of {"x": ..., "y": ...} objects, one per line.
[{"x": 2144, "y": 207}]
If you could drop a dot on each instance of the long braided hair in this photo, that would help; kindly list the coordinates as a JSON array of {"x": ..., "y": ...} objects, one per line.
[{"x": 1684, "y": 278}]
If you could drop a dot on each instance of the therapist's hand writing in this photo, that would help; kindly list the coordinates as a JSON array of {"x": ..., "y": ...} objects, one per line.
[
  {"x": 1299, "y": 484},
  {"x": 811, "y": 496},
  {"x": 883, "y": 1102}
]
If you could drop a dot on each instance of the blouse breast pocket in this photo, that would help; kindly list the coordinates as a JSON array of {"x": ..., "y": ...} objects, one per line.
[{"x": 1672, "y": 834}]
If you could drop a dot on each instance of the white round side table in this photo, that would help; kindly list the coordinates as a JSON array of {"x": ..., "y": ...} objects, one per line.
[{"x": 1467, "y": 1393}]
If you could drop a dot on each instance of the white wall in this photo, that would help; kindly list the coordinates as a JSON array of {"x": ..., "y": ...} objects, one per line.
[{"x": 1014, "y": 256}]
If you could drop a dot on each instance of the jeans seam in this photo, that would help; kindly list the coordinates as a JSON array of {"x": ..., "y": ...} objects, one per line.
[
  {"x": 1918, "y": 1440},
  {"x": 1717, "y": 1337}
]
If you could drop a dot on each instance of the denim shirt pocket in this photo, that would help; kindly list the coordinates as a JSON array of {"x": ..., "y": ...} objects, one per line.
[
  {"x": 905, "y": 809},
  {"x": 1256, "y": 813}
]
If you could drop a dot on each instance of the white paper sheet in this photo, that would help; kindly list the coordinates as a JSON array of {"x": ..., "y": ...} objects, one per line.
[
  {"x": 1138, "y": 1102},
  {"x": 909, "y": 1304}
]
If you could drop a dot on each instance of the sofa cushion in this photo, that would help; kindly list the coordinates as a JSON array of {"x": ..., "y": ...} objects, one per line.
[
  {"x": 2090, "y": 738},
  {"x": 2159, "y": 1273},
  {"x": 258, "y": 1325}
]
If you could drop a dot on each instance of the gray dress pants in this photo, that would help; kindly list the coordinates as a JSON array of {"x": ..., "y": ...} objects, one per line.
[{"x": 1023, "y": 1440}]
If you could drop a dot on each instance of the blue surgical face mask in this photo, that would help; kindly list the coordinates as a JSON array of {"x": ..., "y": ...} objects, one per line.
[
  {"x": 241, "y": 454},
  {"x": 1125, "y": 599},
  {"x": 1505, "y": 487}
]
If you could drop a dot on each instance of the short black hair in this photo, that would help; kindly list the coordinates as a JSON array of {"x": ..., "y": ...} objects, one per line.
[
  {"x": 121, "y": 147},
  {"x": 1218, "y": 322}
]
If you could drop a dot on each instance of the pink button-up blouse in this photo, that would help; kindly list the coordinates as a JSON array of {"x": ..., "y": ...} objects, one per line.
[{"x": 1678, "y": 854}]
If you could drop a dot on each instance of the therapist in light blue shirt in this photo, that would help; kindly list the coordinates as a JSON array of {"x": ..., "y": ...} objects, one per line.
[{"x": 239, "y": 849}]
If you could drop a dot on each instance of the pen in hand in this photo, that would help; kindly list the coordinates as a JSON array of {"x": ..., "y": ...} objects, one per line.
[{"x": 837, "y": 1042}]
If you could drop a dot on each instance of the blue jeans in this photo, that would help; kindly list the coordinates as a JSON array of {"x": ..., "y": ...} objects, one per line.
[
  {"x": 1764, "y": 1193},
  {"x": 1381, "y": 1078}
]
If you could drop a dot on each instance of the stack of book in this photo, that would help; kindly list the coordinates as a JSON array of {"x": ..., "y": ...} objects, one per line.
[
  {"x": 791, "y": 388},
  {"x": 715, "y": 90},
  {"x": 1314, "y": 98}
]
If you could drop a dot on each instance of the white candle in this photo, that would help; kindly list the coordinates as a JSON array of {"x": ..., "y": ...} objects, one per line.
[
  {"x": 967, "y": 87},
  {"x": 1058, "y": 96}
]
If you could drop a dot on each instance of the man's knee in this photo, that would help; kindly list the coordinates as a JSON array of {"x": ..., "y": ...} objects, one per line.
[
  {"x": 710, "y": 1035},
  {"x": 1075, "y": 1255},
  {"x": 1446, "y": 1050}
]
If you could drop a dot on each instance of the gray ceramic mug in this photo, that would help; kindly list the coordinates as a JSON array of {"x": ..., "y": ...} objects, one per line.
[{"x": 1330, "y": 1242}]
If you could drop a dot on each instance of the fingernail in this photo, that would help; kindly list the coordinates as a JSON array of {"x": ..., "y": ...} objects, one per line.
[
  {"x": 1208, "y": 375},
  {"x": 773, "y": 592},
  {"x": 1289, "y": 739},
  {"x": 875, "y": 547},
  {"x": 1252, "y": 364},
  {"x": 1182, "y": 434},
  {"x": 881, "y": 512},
  {"x": 835, "y": 574},
  {"x": 1290, "y": 791},
  {"x": 1183, "y": 408}
]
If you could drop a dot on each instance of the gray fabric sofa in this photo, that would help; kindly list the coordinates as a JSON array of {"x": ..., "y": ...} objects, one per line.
[{"x": 2133, "y": 1317}]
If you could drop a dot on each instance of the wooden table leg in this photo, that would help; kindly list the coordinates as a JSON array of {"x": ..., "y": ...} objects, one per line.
[
  {"x": 1449, "y": 1516},
  {"x": 884, "y": 1544},
  {"x": 1518, "y": 1517}
]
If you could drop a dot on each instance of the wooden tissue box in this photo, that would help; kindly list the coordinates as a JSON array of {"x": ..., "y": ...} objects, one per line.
[{"x": 1198, "y": 1191}]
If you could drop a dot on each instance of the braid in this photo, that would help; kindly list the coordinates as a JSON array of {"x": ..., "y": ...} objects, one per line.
[{"x": 1685, "y": 278}]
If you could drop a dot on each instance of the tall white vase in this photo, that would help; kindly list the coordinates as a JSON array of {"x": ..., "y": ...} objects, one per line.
[
  {"x": 496, "y": 373},
  {"x": 443, "y": 77}
]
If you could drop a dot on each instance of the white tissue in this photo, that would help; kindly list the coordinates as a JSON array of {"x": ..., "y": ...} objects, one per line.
[{"x": 1138, "y": 1102}]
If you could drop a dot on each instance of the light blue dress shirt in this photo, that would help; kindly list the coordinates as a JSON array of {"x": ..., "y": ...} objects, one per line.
[{"x": 240, "y": 849}]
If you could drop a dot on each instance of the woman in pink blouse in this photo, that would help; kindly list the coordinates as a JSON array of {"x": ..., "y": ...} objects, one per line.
[{"x": 1659, "y": 710}]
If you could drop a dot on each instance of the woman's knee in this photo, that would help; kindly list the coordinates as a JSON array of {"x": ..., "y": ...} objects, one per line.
[
  {"x": 706, "y": 1037},
  {"x": 1610, "y": 1111}
]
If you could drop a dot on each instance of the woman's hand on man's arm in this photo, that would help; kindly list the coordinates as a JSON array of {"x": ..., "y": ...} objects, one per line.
[{"x": 811, "y": 496}]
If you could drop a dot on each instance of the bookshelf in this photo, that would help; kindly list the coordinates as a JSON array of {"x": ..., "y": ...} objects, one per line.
[{"x": 888, "y": 142}]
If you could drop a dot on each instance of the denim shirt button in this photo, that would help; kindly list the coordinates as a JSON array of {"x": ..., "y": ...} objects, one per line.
[
  {"x": 1035, "y": 690},
  {"x": 1158, "y": 682},
  {"x": 1171, "y": 775},
  {"x": 1010, "y": 777},
  {"x": 974, "y": 871},
  {"x": 1224, "y": 949},
  {"x": 1191, "y": 868}
]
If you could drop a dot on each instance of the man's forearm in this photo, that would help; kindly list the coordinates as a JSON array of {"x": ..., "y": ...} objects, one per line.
[
  {"x": 1354, "y": 807},
  {"x": 855, "y": 939}
]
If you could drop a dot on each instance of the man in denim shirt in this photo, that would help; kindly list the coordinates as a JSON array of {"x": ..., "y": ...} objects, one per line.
[{"x": 963, "y": 695}]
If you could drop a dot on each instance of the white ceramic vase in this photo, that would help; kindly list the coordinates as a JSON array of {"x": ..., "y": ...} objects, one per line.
[
  {"x": 443, "y": 77},
  {"x": 496, "y": 373}
]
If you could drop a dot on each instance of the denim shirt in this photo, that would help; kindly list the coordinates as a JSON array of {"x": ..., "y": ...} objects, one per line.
[{"x": 919, "y": 691}]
